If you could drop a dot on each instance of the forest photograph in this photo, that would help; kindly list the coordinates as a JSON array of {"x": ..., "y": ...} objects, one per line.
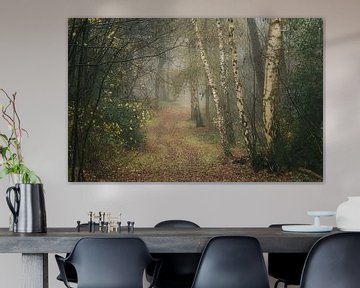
[{"x": 195, "y": 100}]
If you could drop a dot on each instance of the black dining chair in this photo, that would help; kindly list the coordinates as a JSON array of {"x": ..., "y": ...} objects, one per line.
[
  {"x": 70, "y": 271},
  {"x": 286, "y": 267},
  {"x": 178, "y": 269},
  {"x": 232, "y": 262},
  {"x": 108, "y": 263},
  {"x": 333, "y": 262}
]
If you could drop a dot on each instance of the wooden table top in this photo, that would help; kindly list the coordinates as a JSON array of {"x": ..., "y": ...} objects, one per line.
[{"x": 158, "y": 240}]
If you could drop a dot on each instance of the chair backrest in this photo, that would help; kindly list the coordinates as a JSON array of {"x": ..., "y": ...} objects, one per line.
[
  {"x": 286, "y": 266},
  {"x": 178, "y": 269},
  {"x": 333, "y": 262},
  {"x": 176, "y": 224},
  {"x": 232, "y": 262},
  {"x": 110, "y": 262}
]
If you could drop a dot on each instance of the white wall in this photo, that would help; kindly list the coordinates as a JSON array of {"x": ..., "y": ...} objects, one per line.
[{"x": 33, "y": 62}]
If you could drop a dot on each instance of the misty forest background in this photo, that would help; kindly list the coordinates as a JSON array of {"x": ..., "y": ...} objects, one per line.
[{"x": 195, "y": 100}]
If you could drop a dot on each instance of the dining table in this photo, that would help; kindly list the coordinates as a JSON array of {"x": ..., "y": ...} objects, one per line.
[{"x": 35, "y": 247}]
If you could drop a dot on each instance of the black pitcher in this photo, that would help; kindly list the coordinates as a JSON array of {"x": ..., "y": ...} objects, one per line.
[{"x": 28, "y": 207}]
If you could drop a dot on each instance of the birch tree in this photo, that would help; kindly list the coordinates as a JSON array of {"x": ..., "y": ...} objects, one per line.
[
  {"x": 239, "y": 89},
  {"x": 214, "y": 91},
  {"x": 272, "y": 82},
  {"x": 225, "y": 99}
]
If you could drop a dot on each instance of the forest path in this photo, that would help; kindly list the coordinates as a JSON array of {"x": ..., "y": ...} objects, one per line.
[{"x": 178, "y": 151}]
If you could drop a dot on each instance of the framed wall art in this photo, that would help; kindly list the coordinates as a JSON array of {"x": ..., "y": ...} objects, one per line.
[{"x": 195, "y": 100}]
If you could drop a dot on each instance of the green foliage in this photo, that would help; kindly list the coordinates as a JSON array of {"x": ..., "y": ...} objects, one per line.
[
  {"x": 26, "y": 175},
  {"x": 299, "y": 139},
  {"x": 258, "y": 161},
  {"x": 117, "y": 127},
  {"x": 109, "y": 60},
  {"x": 122, "y": 122},
  {"x": 304, "y": 126}
]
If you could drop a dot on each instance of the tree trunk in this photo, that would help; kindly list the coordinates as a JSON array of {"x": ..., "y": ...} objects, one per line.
[
  {"x": 239, "y": 89},
  {"x": 198, "y": 118},
  {"x": 166, "y": 72},
  {"x": 192, "y": 78},
  {"x": 207, "y": 106},
  {"x": 258, "y": 64},
  {"x": 209, "y": 75},
  {"x": 257, "y": 52},
  {"x": 225, "y": 101},
  {"x": 74, "y": 137},
  {"x": 192, "y": 100},
  {"x": 195, "y": 104},
  {"x": 272, "y": 82},
  {"x": 159, "y": 81}
]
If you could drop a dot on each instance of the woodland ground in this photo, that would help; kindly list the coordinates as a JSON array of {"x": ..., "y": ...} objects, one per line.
[{"x": 177, "y": 151}]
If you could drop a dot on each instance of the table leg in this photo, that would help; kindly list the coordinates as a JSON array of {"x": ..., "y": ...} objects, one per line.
[{"x": 35, "y": 270}]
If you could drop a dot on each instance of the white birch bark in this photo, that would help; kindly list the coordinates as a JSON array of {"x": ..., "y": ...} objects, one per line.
[
  {"x": 222, "y": 56},
  {"x": 238, "y": 87},
  {"x": 272, "y": 81},
  {"x": 210, "y": 78},
  {"x": 225, "y": 97}
]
